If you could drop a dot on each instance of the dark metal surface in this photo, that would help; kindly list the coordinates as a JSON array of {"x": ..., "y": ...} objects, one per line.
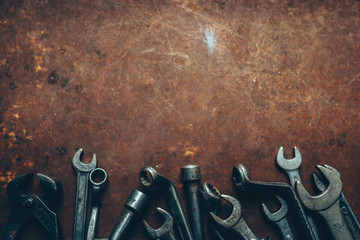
[{"x": 141, "y": 83}]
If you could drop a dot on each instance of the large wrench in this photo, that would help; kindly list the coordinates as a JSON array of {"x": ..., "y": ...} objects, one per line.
[
  {"x": 81, "y": 199},
  {"x": 345, "y": 208},
  {"x": 291, "y": 167},
  {"x": 327, "y": 204}
]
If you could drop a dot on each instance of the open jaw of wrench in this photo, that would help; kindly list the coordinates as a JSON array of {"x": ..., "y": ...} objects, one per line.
[
  {"x": 244, "y": 184},
  {"x": 327, "y": 204},
  {"x": 291, "y": 167},
  {"x": 82, "y": 170},
  {"x": 279, "y": 219},
  {"x": 165, "y": 232},
  {"x": 149, "y": 177},
  {"x": 345, "y": 208},
  {"x": 98, "y": 180}
]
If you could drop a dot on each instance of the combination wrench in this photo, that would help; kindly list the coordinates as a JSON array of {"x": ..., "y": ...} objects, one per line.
[
  {"x": 81, "y": 199},
  {"x": 166, "y": 231}
]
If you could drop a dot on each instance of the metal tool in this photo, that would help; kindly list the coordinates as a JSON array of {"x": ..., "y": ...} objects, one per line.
[
  {"x": 345, "y": 208},
  {"x": 165, "y": 232},
  {"x": 135, "y": 205},
  {"x": 30, "y": 206},
  {"x": 327, "y": 204},
  {"x": 235, "y": 223},
  {"x": 291, "y": 167},
  {"x": 149, "y": 177},
  {"x": 279, "y": 219},
  {"x": 244, "y": 184},
  {"x": 213, "y": 200},
  {"x": 98, "y": 180},
  {"x": 81, "y": 199},
  {"x": 191, "y": 175}
]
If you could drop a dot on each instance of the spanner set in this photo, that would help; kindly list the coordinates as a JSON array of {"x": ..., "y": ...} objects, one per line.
[{"x": 329, "y": 208}]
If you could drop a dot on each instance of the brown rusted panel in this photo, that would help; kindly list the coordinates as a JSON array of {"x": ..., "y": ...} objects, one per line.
[{"x": 142, "y": 83}]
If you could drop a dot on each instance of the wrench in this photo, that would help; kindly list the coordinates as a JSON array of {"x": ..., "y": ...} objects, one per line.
[
  {"x": 327, "y": 204},
  {"x": 345, "y": 208},
  {"x": 291, "y": 167},
  {"x": 166, "y": 231},
  {"x": 279, "y": 219},
  {"x": 244, "y": 184},
  {"x": 150, "y": 177},
  {"x": 82, "y": 171},
  {"x": 97, "y": 189}
]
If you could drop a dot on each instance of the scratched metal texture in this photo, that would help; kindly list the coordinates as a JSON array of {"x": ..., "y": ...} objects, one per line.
[{"x": 169, "y": 83}]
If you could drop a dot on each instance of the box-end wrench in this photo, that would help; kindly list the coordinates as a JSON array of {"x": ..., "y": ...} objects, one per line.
[
  {"x": 149, "y": 177},
  {"x": 327, "y": 204},
  {"x": 98, "y": 179},
  {"x": 345, "y": 208},
  {"x": 166, "y": 231},
  {"x": 279, "y": 219},
  {"x": 243, "y": 183},
  {"x": 81, "y": 198},
  {"x": 291, "y": 167}
]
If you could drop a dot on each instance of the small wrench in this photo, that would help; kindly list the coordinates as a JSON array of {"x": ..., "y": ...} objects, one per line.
[
  {"x": 291, "y": 167},
  {"x": 327, "y": 204},
  {"x": 279, "y": 219},
  {"x": 166, "y": 231},
  {"x": 82, "y": 189},
  {"x": 98, "y": 187},
  {"x": 345, "y": 208}
]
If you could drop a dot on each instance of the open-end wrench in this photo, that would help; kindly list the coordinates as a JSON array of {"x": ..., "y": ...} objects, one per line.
[
  {"x": 279, "y": 219},
  {"x": 81, "y": 199},
  {"x": 327, "y": 204},
  {"x": 166, "y": 231},
  {"x": 98, "y": 186},
  {"x": 291, "y": 167},
  {"x": 235, "y": 223},
  {"x": 244, "y": 184},
  {"x": 149, "y": 177},
  {"x": 345, "y": 208}
]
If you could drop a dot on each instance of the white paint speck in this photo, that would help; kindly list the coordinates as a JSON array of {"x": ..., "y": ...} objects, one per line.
[{"x": 210, "y": 39}]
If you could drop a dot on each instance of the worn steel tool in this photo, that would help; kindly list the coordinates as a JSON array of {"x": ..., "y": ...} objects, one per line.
[
  {"x": 213, "y": 200},
  {"x": 292, "y": 169},
  {"x": 98, "y": 180},
  {"x": 29, "y": 206},
  {"x": 345, "y": 208},
  {"x": 149, "y": 177},
  {"x": 279, "y": 219},
  {"x": 327, "y": 204},
  {"x": 81, "y": 199},
  {"x": 243, "y": 183},
  {"x": 191, "y": 175},
  {"x": 135, "y": 205},
  {"x": 166, "y": 231},
  {"x": 235, "y": 223}
]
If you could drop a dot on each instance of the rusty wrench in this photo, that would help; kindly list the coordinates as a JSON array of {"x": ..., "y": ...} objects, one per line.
[
  {"x": 327, "y": 204},
  {"x": 166, "y": 231},
  {"x": 82, "y": 171},
  {"x": 279, "y": 219}
]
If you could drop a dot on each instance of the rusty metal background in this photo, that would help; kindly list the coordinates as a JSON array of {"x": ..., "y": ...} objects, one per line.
[{"x": 168, "y": 83}]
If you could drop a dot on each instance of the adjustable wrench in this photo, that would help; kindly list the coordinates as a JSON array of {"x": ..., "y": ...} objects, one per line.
[
  {"x": 279, "y": 219},
  {"x": 345, "y": 208},
  {"x": 166, "y": 231},
  {"x": 291, "y": 167},
  {"x": 327, "y": 204},
  {"x": 82, "y": 189}
]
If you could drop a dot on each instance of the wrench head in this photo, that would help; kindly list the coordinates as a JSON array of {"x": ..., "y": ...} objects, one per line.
[
  {"x": 210, "y": 193},
  {"x": 279, "y": 214},
  {"x": 327, "y": 198},
  {"x": 240, "y": 175},
  {"x": 235, "y": 215},
  {"x": 83, "y": 167},
  {"x": 150, "y": 177},
  {"x": 164, "y": 230},
  {"x": 289, "y": 164}
]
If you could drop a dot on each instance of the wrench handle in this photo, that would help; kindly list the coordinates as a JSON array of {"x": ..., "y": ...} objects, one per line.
[
  {"x": 285, "y": 229},
  {"x": 349, "y": 217},
  {"x": 94, "y": 214},
  {"x": 81, "y": 205},
  {"x": 243, "y": 231}
]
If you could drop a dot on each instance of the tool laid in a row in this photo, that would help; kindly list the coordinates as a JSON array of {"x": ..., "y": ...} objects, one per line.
[{"x": 295, "y": 202}]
